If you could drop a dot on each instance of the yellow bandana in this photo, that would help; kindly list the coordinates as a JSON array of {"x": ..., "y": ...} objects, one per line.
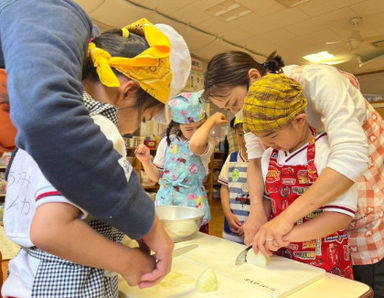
[
  {"x": 272, "y": 102},
  {"x": 151, "y": 68}
]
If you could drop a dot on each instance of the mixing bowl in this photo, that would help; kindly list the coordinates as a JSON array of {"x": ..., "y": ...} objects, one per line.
[{"x": 181, "y": 223}]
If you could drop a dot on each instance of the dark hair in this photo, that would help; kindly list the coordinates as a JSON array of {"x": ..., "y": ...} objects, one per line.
[
  {"x": 274, "y": 63},
  {"x": 232, "y": 122},
  {"x": 173, "y": 128},
  {"x": 230, "y": 69},
  {"x": 118, "y": 46},
  {"x": 238, "y": 125}
]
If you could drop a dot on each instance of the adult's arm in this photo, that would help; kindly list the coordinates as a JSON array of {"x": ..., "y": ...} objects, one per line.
[
  {"x": 341, "y": 109},
  {"x": 257, "y": 216},
  {"x": 321, "y": 226},
  {"x": 43, "y": 46}
]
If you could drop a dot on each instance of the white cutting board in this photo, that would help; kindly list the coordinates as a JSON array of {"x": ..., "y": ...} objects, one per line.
[{"x": 281, "y": 278}]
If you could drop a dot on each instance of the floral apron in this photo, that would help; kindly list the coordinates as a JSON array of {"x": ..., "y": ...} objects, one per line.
[
  {"x": 286, "y": 183},
  {"x": 181, "y": 183}
]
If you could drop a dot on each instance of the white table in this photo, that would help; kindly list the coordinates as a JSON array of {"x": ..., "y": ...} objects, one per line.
[{"x": 220, "y": 254}]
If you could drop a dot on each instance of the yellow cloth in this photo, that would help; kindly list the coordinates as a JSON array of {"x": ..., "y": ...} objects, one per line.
[
  {"x": 272, "y": 102},
  {"x": 151, "y": 68},
  {"x": 237, "y": 121}
]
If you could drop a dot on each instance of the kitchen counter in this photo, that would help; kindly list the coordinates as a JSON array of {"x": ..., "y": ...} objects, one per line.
[{"x": 282, "y": 277}]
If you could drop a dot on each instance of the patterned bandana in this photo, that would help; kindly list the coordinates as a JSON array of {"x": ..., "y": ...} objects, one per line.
[
  {"x": 187, "y": 108},
  {"x": 151, "y": 68},
  {"x": 272, "y": 102}
]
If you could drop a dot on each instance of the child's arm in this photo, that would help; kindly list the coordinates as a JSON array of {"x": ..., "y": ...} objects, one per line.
[
  {"x": 322, "y": 225},
  {"x": 143, "y": 154},
  {"x": 233, "y": 221},
  {"x": 57, "y": 229},
  {"x": 199, "y": 140}
]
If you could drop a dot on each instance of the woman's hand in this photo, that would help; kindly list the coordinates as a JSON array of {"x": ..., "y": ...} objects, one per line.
[
  {"x": 255, "y": 220},
  {"x": 270, "y": 235},
  {"x": 142, "y": 153}
]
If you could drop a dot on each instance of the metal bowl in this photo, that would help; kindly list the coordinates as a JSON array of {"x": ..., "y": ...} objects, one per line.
[{"x": 181, "y": 223}]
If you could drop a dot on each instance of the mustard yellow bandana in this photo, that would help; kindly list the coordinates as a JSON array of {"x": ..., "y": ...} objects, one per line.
[
  {"x": 272, "y": 102},
  {"x": 151, "y": 68}
]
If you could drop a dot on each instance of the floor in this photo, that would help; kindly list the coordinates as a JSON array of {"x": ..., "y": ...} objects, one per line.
[{"x": 217, "y": 219}]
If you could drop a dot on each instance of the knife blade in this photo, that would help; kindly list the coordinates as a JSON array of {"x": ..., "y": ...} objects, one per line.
[
  {"x": 242, "y": 257},
  {"x": 182, "y": 250}
]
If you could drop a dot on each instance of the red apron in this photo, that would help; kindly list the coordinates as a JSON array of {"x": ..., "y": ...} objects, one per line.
[{"x": 286, "y": 183}]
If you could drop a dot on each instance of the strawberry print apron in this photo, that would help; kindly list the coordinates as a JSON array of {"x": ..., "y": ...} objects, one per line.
[{"x": 286, "y": 183}]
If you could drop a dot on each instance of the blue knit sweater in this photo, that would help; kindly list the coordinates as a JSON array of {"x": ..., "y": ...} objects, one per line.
[{"x": 43, "y": 45}]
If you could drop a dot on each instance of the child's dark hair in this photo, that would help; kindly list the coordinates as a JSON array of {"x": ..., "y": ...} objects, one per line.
[
  {"x": 237, "y": 125},
  {"x": 115, "y": 44},
  {"x": 232, "y": 123},
  {"x": 230, "y": 69},
  {"x": 173, "y": 128}
]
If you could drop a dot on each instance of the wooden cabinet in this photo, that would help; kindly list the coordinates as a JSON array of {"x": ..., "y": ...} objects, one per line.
[{"x": 215, "y": 165}]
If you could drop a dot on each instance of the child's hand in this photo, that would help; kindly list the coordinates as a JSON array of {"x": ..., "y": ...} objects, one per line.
[
  {"x": 218, "y": 119},
  {"x": 234, "y": 224},
  {"x": 142, "y": 153},
  {"x": 142, "y": 263},
  {"x": 158, "y": 241}
]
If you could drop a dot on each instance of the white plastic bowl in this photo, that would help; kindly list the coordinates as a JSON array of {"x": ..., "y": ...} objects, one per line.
[{"x": 181, "y": 223}]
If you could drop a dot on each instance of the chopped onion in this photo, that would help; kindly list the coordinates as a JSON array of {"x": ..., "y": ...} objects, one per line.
[
  {"x": 207, "y": 281},
  {"x": 257, "y": 259}
]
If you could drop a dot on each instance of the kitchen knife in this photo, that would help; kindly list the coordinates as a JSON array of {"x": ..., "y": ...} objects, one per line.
[
  {"x": 242, "y": 257},
  {"x": 182, "y": 250}
]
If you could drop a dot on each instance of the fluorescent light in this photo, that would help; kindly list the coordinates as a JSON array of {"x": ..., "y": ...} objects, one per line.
[
  {"x": 291, "y": 3},
  {"x": 244, "y": 12},
  {"x": 226, "y": 9},
  {"x": 319, "y": 57},
  {"x": 231, "y": 18},
  {"x": 235, "y": 16},
  {"x": 233, "y": 6}
]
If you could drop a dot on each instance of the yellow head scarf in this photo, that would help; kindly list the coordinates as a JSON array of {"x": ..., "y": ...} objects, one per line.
[
  {"x": 272, "y": 102},
  {"x": 151, "y": 68}
]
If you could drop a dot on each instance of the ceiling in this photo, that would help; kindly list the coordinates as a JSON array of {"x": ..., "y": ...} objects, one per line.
[{"x": 265, "y": 26}]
